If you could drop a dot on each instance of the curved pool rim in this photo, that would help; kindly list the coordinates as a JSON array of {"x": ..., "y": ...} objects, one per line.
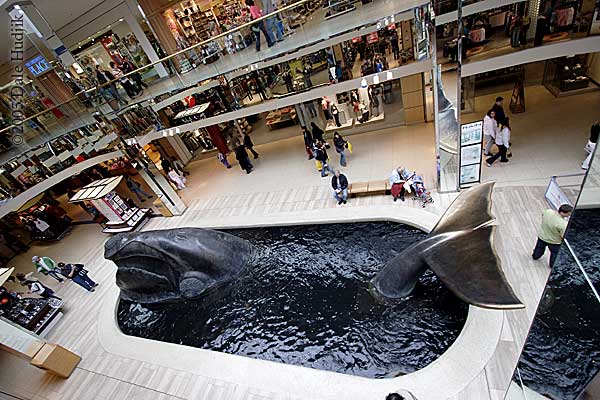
[{"x": 452, "y": 372}]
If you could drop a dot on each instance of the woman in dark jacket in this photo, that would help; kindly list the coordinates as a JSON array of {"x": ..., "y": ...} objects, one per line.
[
  {"x": 321, "y": 155},
  {"x": 340, "y": 146},
  {"x": 242, "y": 156},
  {"x": 308, "y": 143},
  {"x": 317, "y": 133}
]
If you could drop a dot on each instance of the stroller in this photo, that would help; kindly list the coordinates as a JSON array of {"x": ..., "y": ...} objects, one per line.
[{"x": 418, "y": 187}]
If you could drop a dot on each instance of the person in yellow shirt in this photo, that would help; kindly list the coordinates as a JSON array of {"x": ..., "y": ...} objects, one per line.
[{"x": 552, "y": 230}]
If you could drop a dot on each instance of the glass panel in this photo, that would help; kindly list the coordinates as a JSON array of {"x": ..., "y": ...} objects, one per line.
[{"x": 560, "y": 356}]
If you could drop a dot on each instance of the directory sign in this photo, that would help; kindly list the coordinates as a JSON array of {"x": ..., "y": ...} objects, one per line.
[{"x": 471, "y": 139}]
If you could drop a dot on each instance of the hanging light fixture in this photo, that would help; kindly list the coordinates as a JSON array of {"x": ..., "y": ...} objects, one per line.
[
  {"x": 363, "y": 83},
  {"x": 389, "y": 75},
  {"x": 177, "y": 131},
  {"x": 376, "y": 80}
]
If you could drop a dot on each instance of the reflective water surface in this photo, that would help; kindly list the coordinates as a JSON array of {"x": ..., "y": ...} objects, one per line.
[
  {"x": 306, "y": 302},
  {"x": 562, "y": 352}
]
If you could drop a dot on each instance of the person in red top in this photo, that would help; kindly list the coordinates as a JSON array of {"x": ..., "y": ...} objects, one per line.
[{"x": 259, "y": 25}]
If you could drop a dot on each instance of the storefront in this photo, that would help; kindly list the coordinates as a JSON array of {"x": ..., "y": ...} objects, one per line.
[
  {"x": 571, "y": 75},
  {"x": 113, "y": 44}
]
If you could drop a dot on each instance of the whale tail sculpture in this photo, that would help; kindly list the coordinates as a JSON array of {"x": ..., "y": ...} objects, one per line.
[{"x": 460, "y": 251}]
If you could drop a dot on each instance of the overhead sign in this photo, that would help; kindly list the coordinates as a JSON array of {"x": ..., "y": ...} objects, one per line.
[{"x": 38, "y": 65}]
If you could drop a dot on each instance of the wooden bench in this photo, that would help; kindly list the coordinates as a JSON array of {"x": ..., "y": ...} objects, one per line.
[{"x": 368, "y": 188}]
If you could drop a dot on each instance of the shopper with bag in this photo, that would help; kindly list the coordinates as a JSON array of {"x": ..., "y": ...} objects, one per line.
[
  {"x": 258, "y": 26},
  {"x": 340, "y": 146},
  {"x": 46, "y": 266},
  {"x": 41, "y": 290},
  {"x": 502, "y": 141},
  {"x": 321, "y": 155},
  {"x": 78, "y": 274}
]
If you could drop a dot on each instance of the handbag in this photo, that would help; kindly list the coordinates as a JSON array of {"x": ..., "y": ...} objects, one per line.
[
  {"x": 319, "y": 165},
  {"x": 349, "y": 146}
]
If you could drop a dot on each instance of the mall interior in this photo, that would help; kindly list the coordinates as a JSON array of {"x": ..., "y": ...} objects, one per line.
[{"x": 206, "y": 199}]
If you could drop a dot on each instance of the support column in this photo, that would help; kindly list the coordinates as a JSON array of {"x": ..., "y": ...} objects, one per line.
[
  {"x": 180, "y": 148},
  {"x": 131, "y": 18},
  {"x": 159, "y": 184}
]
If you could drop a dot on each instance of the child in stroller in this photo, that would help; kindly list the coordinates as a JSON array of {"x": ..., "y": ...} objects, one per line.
[{"x": 418, "y": 186}]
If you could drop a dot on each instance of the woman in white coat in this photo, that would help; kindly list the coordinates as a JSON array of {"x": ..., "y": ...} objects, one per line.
[
  {"x": 177, "y": 179},
  {"x": 503, "y": 143},
  {"x": 490, "y": 129}
]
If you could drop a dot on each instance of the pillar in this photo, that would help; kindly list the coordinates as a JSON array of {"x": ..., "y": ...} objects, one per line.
[
  {"x": 413, "y": 98},
  {"x": 163, "y": 189},
  {"x": 131, "y": 18}
]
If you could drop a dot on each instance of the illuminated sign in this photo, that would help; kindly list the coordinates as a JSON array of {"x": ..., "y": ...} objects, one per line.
[{"x": 38, "y": 65}]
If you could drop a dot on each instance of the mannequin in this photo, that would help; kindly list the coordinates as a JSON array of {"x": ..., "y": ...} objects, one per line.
[
  {"x": 325, "y": 104},
  {"x": 336, "y": 115}
]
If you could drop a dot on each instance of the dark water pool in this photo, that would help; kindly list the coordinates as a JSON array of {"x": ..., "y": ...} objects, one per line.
[
  {"x": 562, "y": 352},
  {"x": 306, "y": 303}
]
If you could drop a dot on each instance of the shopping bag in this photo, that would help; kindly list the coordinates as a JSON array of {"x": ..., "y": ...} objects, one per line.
[
  {"x": 349, "y": 146},
  {"x": 319, "y": 165}
]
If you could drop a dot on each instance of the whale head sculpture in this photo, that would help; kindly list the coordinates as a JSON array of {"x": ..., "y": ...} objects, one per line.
[
  {"x": 460, "y": 251},
  {"x": 175, "y": 264}
]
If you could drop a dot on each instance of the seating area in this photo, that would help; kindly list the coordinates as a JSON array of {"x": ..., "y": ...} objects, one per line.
[{"x": 368, "y": 188}]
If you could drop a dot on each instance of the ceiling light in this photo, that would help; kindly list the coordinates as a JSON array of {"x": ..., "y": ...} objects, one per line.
[
  {"x": 376, "y": 80},
  {"x": 389, "y": 75},
  {"x": 363, "y": 83}
]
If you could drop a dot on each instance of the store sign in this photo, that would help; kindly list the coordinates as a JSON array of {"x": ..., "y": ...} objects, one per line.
[
  {"x": 38, "y": 65},
  {"x": 471, "y": 139},
  {"x": 554, "y": 194},
  {"x": 372, "y": 37}
]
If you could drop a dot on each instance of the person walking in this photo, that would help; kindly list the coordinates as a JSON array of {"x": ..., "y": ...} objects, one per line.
[
  {"x": 591, "y": 144},
  {"x": 177, "y": 178},
  {"x": 258, "y": 26},
  {"x": 242, "y": 156},
  {"x": 136, "y": 188},
  {"x": 339, "y": 183},
  {"x": 249, "y": 145},
  {"x": 317, "y": 133},
  {"x": 103, "y": 77},
  {"x": 46, "y": 266},
  {"x": 223, "y": 160},
  {"x": 308, "y": 143},
  {"x": 397, "y": 184},
  {"x": 322, "y": 156},
  {"x": 503, "y": 143},
  {"x": 125, "y": 82},
  {"x": 78, "y": 274},
  {"x": 490, "y": 129},
  {"x": 552, "y": 231},
  {"x": 41, "y": 290},
  {"x": 340, "y": 146},
  {"x": 499, "y": 109}
]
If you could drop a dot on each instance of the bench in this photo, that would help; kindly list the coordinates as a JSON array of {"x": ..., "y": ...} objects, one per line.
[{"x": 368, "y": 188}]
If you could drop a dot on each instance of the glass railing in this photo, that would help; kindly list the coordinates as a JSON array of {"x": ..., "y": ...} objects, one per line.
[
  {"x": 95, "y": 112},
  {"x": 560, "y": 356},
  {"x": 211, "y": 57},
  {"x": 507, "y": 29}
]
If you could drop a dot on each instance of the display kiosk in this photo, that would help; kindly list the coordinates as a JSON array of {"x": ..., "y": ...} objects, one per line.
[{"x": 121, "y": 217}]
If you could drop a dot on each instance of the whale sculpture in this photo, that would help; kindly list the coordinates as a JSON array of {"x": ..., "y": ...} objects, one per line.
[
  {"x": 460, "y": 251},
  {"x": 175, "y": 264}
]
